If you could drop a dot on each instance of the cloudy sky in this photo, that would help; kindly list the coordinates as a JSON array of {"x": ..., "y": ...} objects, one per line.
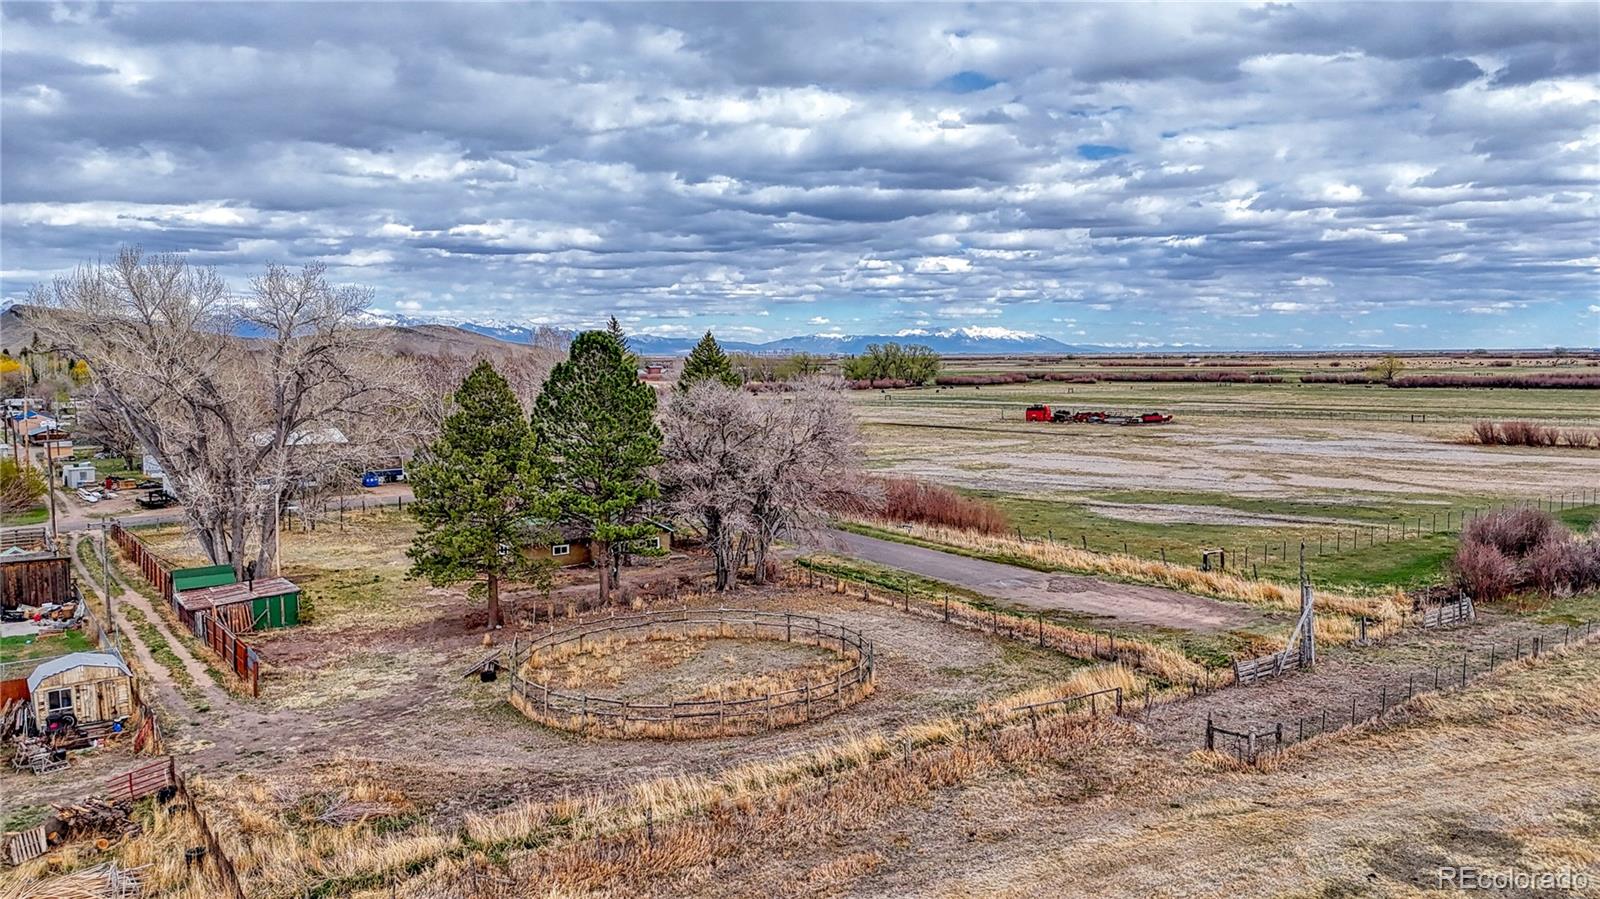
[{"x": 1231, "y": 175}]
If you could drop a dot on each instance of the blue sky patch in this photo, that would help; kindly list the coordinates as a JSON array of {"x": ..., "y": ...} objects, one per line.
[
  {"x": 967, "y": 82},
  {"x": 1100, "y": 151}
]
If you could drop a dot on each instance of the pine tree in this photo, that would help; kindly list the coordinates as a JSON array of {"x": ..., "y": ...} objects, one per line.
[
  {"x": 475, "y": 492},
  {"x": 614, "y": 329},
  {"x": 707, "y": 362},
  {"x": 595, "y": 441}
]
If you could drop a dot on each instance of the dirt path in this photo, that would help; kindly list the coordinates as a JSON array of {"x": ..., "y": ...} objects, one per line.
[{"x": 1045, "y": 591}]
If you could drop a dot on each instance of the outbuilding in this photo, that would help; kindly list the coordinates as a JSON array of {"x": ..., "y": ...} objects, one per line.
[
  {"x": 89, "y": 686},
  {"x": 253, "y": 606}
]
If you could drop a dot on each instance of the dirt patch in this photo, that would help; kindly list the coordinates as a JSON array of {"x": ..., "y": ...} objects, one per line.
[{"x": 682, "y": 668}]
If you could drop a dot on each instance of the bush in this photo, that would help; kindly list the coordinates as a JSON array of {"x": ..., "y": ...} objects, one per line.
[
  {"x": 1483, "y": 571},
  {"x": 1562, "y": 566},
  {"x": 907, "y": 499},
  {"x": 1485, "y": 432},
  {"x": 1561, "y": 381},
  {"x": 1513, "y": 532}
]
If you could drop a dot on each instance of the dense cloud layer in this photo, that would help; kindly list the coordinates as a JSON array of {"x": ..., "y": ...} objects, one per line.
[{"x": 1415, "y": 174}]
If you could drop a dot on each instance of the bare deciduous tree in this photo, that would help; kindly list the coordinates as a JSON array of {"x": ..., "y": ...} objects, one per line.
[
  {"x": 751, "y": 470},
  {"x": 236, "y": 423},
  {"x": 711, "y": 440}
]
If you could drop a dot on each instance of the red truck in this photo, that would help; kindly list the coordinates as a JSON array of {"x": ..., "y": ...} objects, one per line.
[
  {"x": 1037, "y": 412},
  {"x": 1149, "y": 418}
]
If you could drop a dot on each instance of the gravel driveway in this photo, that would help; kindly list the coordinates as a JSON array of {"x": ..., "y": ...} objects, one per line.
[{"x": 1127, "y": 603}]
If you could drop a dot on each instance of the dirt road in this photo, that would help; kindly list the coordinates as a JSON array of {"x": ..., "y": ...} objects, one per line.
[{"x": 1044, "y": 591}]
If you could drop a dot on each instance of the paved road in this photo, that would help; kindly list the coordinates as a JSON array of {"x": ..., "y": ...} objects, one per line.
[{"x": 1045, "y": 591}]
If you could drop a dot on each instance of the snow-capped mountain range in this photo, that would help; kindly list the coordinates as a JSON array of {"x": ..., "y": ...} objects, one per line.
[{"x": 975, "y": 341}]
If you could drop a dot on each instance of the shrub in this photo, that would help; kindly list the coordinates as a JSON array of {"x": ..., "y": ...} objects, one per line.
[
  {"x": 1579, "y": 438},
  {"x": 1513, "y": 532},
  {"x": 1485, "y": 432},
  {"x": 1561, "y": 566},
  {"x": 908, "y": 499},
  {"x": 1483, "y": 571},
  {"x": 1556, "y": 381}
]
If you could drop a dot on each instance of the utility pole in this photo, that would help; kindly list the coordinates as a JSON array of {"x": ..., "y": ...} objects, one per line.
[
  {"x": 50, "y": 488},
  {"x": 105, "y": 569}
]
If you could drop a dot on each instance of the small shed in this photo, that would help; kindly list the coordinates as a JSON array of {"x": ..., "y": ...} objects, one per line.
[
  {"x": 257, "y": 605},
  {"x": 89, "y": 686},
  {"x": 78, "y": 474}
]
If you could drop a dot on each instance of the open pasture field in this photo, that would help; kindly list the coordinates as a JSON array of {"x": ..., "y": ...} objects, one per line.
[{"x": 1251, "y": 468}]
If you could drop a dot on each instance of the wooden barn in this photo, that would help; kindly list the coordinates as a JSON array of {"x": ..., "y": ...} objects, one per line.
[
  {"x": 34, "y": 578},
  {"x": 258, "y": 605},
  {"x": 90, "y": 686}
]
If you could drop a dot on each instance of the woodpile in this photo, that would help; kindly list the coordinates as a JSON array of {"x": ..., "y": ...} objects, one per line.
[{"x": 93, "y": 819}]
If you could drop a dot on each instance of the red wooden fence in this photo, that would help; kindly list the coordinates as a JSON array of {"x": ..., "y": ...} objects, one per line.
[
  {"x": 240, "y": 656},
  {"x": 143, "y": 781}
]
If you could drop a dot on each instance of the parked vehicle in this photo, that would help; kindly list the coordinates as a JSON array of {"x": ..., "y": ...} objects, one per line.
[
  {"x": 88, "y": 496},
  {"x": 1061, "y": 415},
  {"x": 1149, "y": 418},
  {"x": 1037, "y": 413},
  {"x": 1089, "y": 417}
]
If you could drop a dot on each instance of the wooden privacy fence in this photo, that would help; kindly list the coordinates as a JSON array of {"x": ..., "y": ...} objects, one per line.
[
  {"x": 242, "y": 658},
  {"x": 679, "y": 717},
  {"x": 1300, "y": 652}
]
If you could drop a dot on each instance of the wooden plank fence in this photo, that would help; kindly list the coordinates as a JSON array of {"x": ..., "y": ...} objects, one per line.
[
  {"x": 143, "y": 781},
  {"x": 25, "y": 537},
  {"x": 1300, "y": 652},
  {"x": 1450, "y": 613},
  {"x": 242, "y": 658}
]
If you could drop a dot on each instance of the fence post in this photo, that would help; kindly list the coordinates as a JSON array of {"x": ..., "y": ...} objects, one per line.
[{"x": 1211, "y": 740}]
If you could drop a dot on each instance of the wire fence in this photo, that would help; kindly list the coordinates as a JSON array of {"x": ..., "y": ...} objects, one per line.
[
  {"x": 1320, "y": 539},
  {"x": 1374, "y": 702}
]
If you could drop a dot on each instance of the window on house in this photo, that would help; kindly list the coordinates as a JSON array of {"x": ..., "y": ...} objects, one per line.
[
  {"x": 58, "y": 701},
  {"x": 561, "y": 549}
]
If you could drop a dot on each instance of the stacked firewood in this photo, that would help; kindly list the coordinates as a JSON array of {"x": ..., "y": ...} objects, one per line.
[
  {"x": 13, "y": 718},
  {"x": 101, "y": 820}
]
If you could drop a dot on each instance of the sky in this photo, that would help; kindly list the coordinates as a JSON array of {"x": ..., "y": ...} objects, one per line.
[{"x": 1258, "y": 175}]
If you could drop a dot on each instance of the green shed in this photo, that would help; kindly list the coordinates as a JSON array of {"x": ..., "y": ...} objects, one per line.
[
  {"x": 259, "y": 605},
  {"x": 197, "y": 578}
]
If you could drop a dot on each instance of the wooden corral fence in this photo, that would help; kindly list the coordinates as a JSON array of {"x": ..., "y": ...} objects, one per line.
[
  {"x": 242, "y": 658},
  {"x": 583, "y": 711},
  {"x": 1300, "y": 652},
  {"x": 1450, "y": 613},
  {"x": 1377, "y": 701},
  {"x": 1033, "y": 629}
]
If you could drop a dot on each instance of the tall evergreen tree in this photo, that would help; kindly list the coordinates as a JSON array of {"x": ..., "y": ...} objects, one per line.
[
  {"x": 595, "y": 441},
  {"x": 707, "y": 362},
  {"x": 614, "y": 328},
  {"x": 476, "y": 492}
]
